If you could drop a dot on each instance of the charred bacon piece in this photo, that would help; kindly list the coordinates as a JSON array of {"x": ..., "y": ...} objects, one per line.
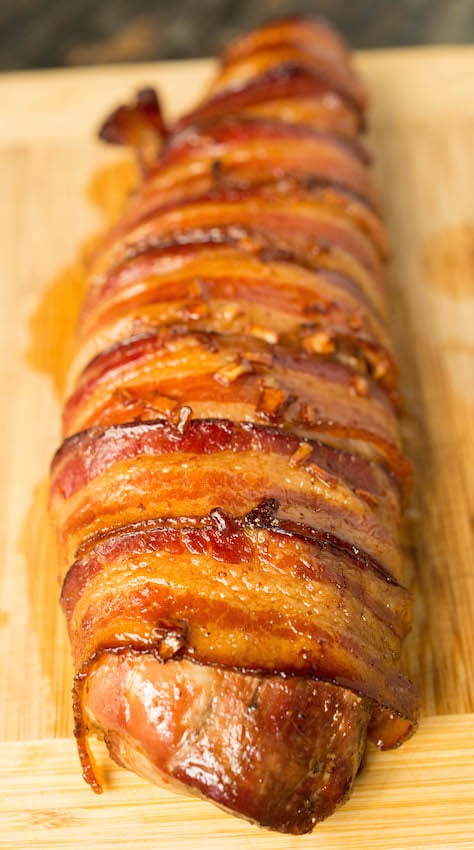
[
  {"x": 140, "y": 126},
  {"x": 228, "y": 495}
]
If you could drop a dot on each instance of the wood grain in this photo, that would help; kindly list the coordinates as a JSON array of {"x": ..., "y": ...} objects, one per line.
[
  {"x": 422, "y": 136},
  {"x": 420, "y": 796}
]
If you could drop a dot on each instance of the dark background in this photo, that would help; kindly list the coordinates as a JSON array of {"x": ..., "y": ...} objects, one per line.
[{"x": 45, "y": 33}]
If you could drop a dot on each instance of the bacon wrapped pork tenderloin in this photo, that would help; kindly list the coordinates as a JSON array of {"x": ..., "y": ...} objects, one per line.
[{"x": 229, "y": 489}]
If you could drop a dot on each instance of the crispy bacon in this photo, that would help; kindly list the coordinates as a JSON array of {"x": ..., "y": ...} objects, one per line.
[
  {"x": 228, "y": 495},
  {"x": 288, "y": 92},
  {"x": 235, "y": 591},
  {"x": 205, "y": 370},
  {"x": 140, "y": 125},
  {"x": 159, "y": 471}
]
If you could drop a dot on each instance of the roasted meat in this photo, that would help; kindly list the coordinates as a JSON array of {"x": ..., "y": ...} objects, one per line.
[{"x": 228, "y": 494}]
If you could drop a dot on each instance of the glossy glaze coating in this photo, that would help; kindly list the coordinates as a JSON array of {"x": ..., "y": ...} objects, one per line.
[{"x": 228, "y": 495}]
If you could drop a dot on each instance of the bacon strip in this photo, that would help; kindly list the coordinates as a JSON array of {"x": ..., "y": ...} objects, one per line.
[
  {"x": 215, "y": 288},
  {"x": 228, "y": 495},
  {"x": 273, "y": 630},
  {"x": 241, "y": 378},
  {"x": 159, "y": 471}
]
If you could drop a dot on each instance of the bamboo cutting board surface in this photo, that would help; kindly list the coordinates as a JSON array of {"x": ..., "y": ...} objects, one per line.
[{"x": 422, "y": 136}]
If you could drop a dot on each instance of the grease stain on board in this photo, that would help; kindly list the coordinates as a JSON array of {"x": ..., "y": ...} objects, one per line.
[
  {"x": 52, "y": 324},
  {"x": 448, "y": 267},
  {"x": 36, "y": 543},
  {"x": 448, "y": 260},
  {"x": 52, "y": 818},
  {"x": 50, "y": 346}
]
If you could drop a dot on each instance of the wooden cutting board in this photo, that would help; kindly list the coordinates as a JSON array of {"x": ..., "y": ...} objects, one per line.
[{"x": 422, "y": 135}]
